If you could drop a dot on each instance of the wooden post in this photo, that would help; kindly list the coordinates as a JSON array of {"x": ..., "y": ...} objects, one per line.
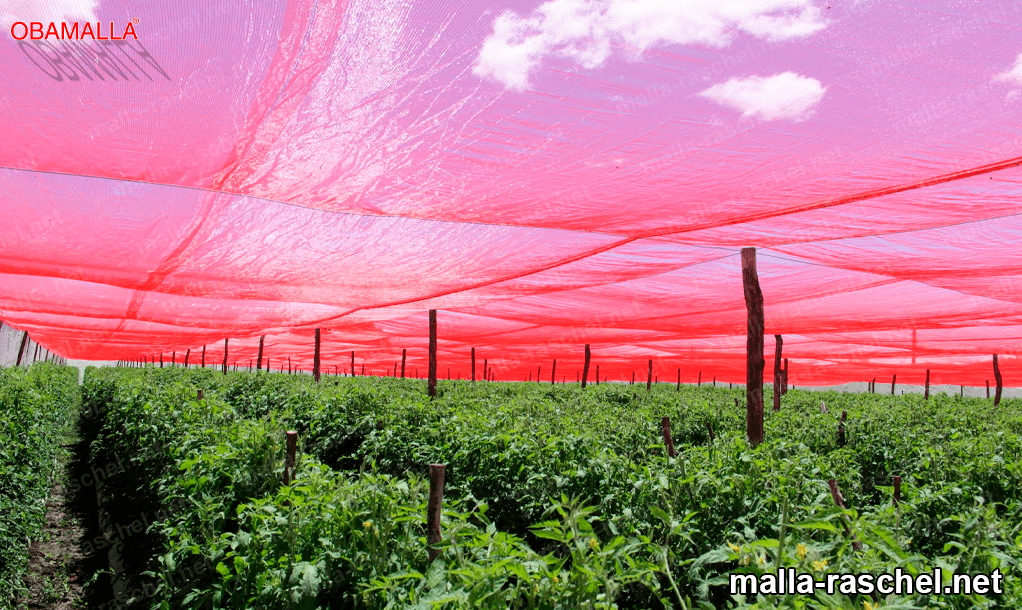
[
  {"x": 841, "y": 429},
  {"x": 926, "y": 391},
  {"x": 173, "y": 358},
  {"x": 538, "y": 371},
  {"x": 315, "y": 358},
  {"x": 225, "y": 357},
  {"x": 835, "y": 493},
  {"x": 597, "y": 374},
  {"x": 404, "y": 358},
  {"x": 291, "y": 442},
  {"x": 187, "y": 354},
  {"x": 585, "y": 367},
  {"x": 203, "y": 356},
  {"x": 873, "y": 386},
  {"x": 24, "y": 342},
  {"x": 431, "y": 390},
  {"x": 434, "y": 509},
  {"x": 161, "y": 360},
  {"x": 259, "y": 362},
  {"x": 784, "y": 378},
  {"x": 897, "y": 490},
  {"x": 665, "y": 424},
  {"x": 553, "y": 373},
  {"x": 473, "y": 364},
  {"x": 754, "y": 348},
  {"x": 352, "y": 363},
  {"x": 778, "y": 344},
  {"x": 649, "y": 376},
  {"x": 678, "y": 389},
  {"x": 997, "y": 380},
  {"x": 289, "y": 370},
  {"x": 633, "y": 378},
  {"x": 988, "y": 389},
  {"x": 893, "y": 380}
]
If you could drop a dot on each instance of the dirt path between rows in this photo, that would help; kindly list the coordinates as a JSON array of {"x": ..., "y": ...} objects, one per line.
[{"x": 54, "y": 580}]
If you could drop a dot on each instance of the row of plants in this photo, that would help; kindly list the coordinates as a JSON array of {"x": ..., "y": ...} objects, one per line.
[
  {"x": 576, "y": 480},
  {"x": 222, "y": 531},
  {"x": 38, "y": 405}
]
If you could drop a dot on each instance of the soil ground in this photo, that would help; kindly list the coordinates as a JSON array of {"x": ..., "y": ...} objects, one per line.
[{"x": 54, "y": 579}]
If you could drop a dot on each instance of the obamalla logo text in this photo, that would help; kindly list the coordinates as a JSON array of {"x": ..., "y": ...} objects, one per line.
[{"x": 34, "y": 30}]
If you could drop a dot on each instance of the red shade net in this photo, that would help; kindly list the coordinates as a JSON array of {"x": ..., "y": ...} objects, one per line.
[{"x": 546, "y": 174}]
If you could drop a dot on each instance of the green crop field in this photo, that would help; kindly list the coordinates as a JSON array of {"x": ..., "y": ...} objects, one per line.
[
  {"x": 37, "y": 409},
  {"x": 555, "y": 496}
]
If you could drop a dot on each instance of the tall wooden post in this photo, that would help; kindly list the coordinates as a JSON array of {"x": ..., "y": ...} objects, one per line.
[
  {"x": 539, "y": 369},
  {"x": 291, "y": 438},
  {"x": 21, "y": 350},
  {"x": 585, "y": 367},
  {"x": 699, "y": 381},
  {"x": 553, "y": 373},
  {"x": 997, "y": 380},
  {"x": 754, "y": 348},
  {"x": 988, "y": 389},
  {"x": 259, "y": 362},
  {"x": 778, "y": 344},
  {"x": 649, "y": 376},
  {"x": 784, "y": 378},
  {"x": 352, "y": 363},
  {"x": 161, "y": 360},
  {"x": 434, "y": 508},
  {"x": 835, "y": 493},
  {"x": 926, "y": 390},
  {"x": 225, "y": 357},
  {"x": 474, "y": 364},
  {"x": 315, "y": 358},
  {"x": 678, "y": 389},
  {"x": 894, "y": 379},
  {"x": 404, "y": 358},
  {"x": 665, "y": 424},
  {"x": 203, "y": 356},
  {"x": 432, "y": 354},
  {"x": 187, "y": 354}
]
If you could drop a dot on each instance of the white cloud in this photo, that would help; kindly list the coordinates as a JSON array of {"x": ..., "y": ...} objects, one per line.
[
  {"x": 781, "y": 96},
  {"x": 587, "y": 32},
  {"x": 1012, "y": 75},
  {"x": 46, "y": 11}
]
